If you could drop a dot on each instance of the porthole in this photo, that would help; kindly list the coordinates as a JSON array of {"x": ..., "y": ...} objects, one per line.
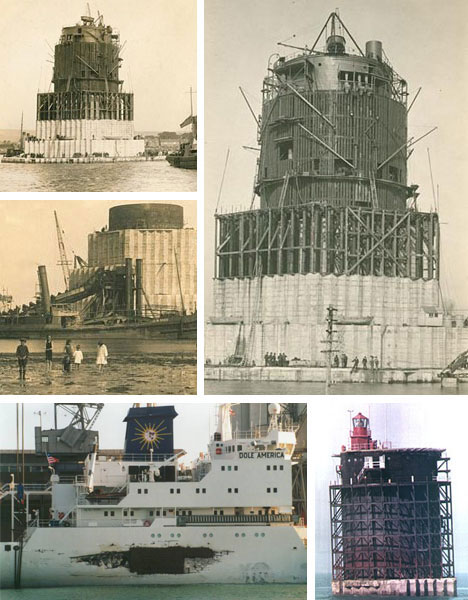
[
  {"x": 152, "y": 535},
  {"x": 256, "y": 535},
  {"x": 172, "y": 535},
  {"x": 211, "y": 535},
  {"x": 237, "y": 535},
  {"x": 159, "y": 535},
  {"x": 243, "y": 535},
  {"x": 263, "y": 535},
  {"x": 178, "y": 535},
  {"x": 204, "y": 535}
]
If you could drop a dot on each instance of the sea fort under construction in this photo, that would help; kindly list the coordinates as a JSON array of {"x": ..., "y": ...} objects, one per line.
[
  {"x": 88, "y": 116},
  {"x": 338, "y": 226}
]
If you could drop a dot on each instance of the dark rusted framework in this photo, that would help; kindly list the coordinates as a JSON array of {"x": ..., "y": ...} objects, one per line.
[
  {"x": 320, "y": 238},
  {"x": 392, "y": 530}
]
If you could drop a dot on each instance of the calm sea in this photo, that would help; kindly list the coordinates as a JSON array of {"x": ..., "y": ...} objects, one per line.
[
  {"x": 148, "y": 176},
  {"x": 134, "y": 367},
  {"x": 164, "y": 592},
  {"x": 309, "y": 388},
  {"x": 323, "y": 588}
]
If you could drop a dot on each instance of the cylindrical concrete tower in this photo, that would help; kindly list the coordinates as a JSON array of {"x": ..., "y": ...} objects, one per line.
[
  {"x": 87, "y": 115},
  {"x": 391, "y": 520}
]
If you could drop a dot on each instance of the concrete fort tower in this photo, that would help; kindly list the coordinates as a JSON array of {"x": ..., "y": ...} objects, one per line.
[
  {"x": 146, "y": 259},
  {"x": 391, "y": 520},
  {"x": 337, "y": 224},
  {"x": 87, "y": 115}
]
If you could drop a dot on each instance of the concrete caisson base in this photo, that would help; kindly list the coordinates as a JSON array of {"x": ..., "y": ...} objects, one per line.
[{"x": 396, "y": 587}]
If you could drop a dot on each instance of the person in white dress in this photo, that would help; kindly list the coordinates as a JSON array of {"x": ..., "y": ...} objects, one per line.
[
  {"x": 102, "y": 354},
  {"x": 77, "y": 357}
]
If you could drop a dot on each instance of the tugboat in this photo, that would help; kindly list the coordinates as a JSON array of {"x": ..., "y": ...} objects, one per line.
[
  {"x": 186, "y": 156},
  {"x": 140, "y": 517}
]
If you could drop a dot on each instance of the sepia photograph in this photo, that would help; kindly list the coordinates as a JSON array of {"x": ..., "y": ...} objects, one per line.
[
  {"x": 334, "y": 214},
  {"x": 99, "y": 96},
  {"x": 388, "y": 521},
  {"x": 98, "y": 297},
  {"x": 190, "y": 495}
]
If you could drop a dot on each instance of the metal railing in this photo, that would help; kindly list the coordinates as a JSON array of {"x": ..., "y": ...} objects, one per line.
[{"x": 237, "y": 519}]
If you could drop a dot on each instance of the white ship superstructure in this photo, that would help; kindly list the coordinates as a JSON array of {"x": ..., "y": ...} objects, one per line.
[{"x": 145, "y": 519}]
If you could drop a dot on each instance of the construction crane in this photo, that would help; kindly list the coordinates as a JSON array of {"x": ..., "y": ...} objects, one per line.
[{"x": 63, "y": 262}]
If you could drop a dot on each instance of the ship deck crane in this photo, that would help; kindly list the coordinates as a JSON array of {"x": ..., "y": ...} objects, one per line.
[{"x": 63, "y": 262}]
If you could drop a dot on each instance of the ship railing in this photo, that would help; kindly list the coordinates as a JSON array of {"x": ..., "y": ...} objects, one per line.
[
  {"x": 239, "y": 519},
  {"x": 261, "y": 432},
  {"x": 149, "y": 457},
  {"x": 75, "y": 479}
]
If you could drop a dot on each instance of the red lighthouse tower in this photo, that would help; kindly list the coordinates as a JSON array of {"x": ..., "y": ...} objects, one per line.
[{"x": 361, "y": 434}]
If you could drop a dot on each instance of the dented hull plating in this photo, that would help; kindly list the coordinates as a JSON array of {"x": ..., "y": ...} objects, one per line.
[{"x": 157, "y": 555}]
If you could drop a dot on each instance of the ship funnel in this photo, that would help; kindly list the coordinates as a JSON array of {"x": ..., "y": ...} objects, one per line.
[
  {"x": 150, "y": 430},
  {"x": 336, "y": 44},
  {"x": 139, "y": 286},
  {"x": 374, "y": 50},
  {"x": 129, "y": 286},
  {"x": 44, "y": 287}
]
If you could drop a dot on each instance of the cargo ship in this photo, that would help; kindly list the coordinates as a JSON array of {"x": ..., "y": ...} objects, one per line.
[
  {"x": 139, "y": 281},
  {"x": 140, "y": 517}
]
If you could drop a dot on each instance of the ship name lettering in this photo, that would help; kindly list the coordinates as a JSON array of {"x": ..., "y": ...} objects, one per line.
[{"x": 261, "y": 454}]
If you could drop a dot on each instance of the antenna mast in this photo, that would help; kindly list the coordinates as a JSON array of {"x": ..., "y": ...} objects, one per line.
[{"x": 64, "y": 263}]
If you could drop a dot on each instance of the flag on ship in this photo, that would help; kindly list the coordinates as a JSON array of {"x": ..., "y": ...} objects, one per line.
[{"x": 52, "y": 460}]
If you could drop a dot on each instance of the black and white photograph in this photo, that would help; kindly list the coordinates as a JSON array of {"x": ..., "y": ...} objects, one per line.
[
  {"x": 335, "y": 217},
  {"x": 98, "y": 96},
  {"x": 101, "y": 297}
]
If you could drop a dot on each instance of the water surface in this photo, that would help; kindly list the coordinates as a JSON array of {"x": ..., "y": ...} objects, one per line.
[
  {"x": 134, "y": 367},
  {"x": 165, "y": 592},
  {"x": 147, "y": 176}
]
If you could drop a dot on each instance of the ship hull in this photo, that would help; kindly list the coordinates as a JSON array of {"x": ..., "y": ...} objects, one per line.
[
  {"x": 55, "y": 557},
  {"x": 182, "y": 162},
  {"x": 185, "y": 329}
]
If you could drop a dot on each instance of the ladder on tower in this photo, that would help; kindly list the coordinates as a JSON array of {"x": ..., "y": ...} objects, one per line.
[
  {"x": 284, "y": 189},
  {"x": 373, "y": 189},
  {"x": 247, "y": 359}
]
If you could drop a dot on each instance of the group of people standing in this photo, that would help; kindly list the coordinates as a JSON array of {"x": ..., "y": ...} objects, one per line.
[
  {"x": 271, "y": 360},
  {"x": 71, "y": 356},
  {"x": 342, "y": 361}
]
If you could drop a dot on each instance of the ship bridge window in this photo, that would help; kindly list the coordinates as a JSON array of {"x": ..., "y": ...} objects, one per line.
[
  {"x": 268, "y": 490},
  {"x": 203, "y": 490},
  {"x": 146, "y": 490},
  {"x": 223, "y": 468},
  {"x": 139, "y": 490},
  {"x": 44, "y": 439},
  {"x": 275, "y": 468},
  {"x": 125, "y": 513},
  {"x": 394, "y": 173},
  {"x": 229, "y": 468},
  {"x": 285, "y": 150},
  {"x": 281, "y": 468},
  {"x": 239, "y": 447},
  {"x": 236, "y": 468},
  {"x": 268, "y": 467}
]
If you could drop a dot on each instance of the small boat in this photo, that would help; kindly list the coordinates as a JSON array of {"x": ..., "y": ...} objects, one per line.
[{"x": 186, "y": 156}]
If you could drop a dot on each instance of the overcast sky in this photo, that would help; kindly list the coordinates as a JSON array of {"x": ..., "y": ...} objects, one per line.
[
  {"x": 423, "y": 424},
  {"x": 192, "y": 427},
  {"x": 28, "y": 238},
  {"x": 160, "y": 55},
  {"x": 427, "y": 43}
]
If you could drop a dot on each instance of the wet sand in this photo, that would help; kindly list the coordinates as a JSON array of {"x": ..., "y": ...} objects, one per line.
[{"x": 136, "y": 373}]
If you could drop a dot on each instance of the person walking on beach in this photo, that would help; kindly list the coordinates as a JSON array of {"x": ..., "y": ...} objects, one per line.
[
  {"x": 48, "y": 353},
  {"x": 77, "y": 357},
  {"x": 67, "y": 357},
  {"x": 102, "y": 354},
  {"x": 22, "y": 354}
]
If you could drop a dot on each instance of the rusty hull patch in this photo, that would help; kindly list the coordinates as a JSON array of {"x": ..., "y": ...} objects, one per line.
[{"x": 174, "y": 560}]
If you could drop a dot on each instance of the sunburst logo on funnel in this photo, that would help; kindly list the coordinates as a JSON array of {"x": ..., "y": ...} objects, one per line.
[{"x": 149, "y": 435}]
